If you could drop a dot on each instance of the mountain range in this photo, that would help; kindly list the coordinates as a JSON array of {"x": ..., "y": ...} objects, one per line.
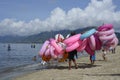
[{"x": 41, "y": 37}]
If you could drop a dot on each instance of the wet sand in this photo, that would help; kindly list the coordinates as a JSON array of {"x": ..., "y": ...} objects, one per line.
[{"x": 101, "y": 70}]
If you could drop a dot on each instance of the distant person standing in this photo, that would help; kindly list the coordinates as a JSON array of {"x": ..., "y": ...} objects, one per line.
[
  {"x": 113, "y": 50},
  {"x": 32, "y": 45},
  {"x": 9, "y": 48},
  {"x": 104, "y": 54}
]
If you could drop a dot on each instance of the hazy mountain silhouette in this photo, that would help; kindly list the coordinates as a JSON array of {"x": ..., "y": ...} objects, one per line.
[{"x": 41, "y": 37}]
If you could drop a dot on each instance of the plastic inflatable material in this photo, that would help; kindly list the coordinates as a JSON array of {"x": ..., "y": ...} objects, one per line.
[
  {"x": 108, "y": 32},
  {"x": 82, "y": 44},
  {"x": 91, "y": 42},
  {"x": 112, "y": 44},
  {"x": 53, "y": 55},
  {"x": 59, "y": 37},
  {"x": 105, "y": 27},
  {"x": 87, "y": 34},
  {"x": 56, "y": 46},
  {"x": 103, "y": 38},
  {"x": 116, "y": 42},
  {"x": 107, "y": 36},
  {"x": 72, "y": 47},
  {"x": 89, "y": 50},
  {"x": 98, "y": 42},
  {"x": 44, "y": 47},
  {"x": 72, "y": 39},
  {"x": 47, "y": 52},
  {"x": 63, "y": 45}
]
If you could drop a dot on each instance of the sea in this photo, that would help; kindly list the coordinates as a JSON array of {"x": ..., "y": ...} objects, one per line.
[{"x": 19, "y": 59}]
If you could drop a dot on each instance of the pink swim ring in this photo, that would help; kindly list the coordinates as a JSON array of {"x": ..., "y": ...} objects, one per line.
[
  {"x": 72, "y": 39},
  {"x": 44, "y": 47},
  {"x": 105, "y": 27},
  {"x": 82, "y": 45},
  {"x": 74, "y": 46},
  {"x": 56, "y": 46}
]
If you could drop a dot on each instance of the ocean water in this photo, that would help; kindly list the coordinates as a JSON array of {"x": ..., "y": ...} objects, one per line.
[
  {"x": 20, "y": 54},
  {"x": 19, "y": 58}
]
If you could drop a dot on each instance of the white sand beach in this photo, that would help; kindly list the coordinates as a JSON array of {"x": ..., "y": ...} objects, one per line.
[{"x": 101, "y": 70}]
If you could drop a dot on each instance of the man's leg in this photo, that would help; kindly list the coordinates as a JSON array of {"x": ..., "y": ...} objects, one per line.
[
  {"x": 74, "y": 61},
  {"x": 69, "y": 64}
]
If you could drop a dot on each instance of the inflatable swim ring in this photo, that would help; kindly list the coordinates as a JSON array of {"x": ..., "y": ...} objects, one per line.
[
  {"x": 44, "y": 47},
  {"x": 72, "y": 39},
  {"x": 108, "y": 32},
  {"x": 74, "y": 46},
  {"x": 82, "y": 44},
  {"x": 87, "y": 34},
  {"x": 105, "y": 27},
  {"x": 89, "y": 50},
  {"x": 98, "y": 42},
  {"x": 91, "y": 42},
  {"x": 56, "y": 46}
]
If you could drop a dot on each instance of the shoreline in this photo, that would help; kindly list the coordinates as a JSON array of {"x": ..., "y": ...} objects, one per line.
[
  {"x": 101, "y": 70},
  {"x": 9, "y": 73}
]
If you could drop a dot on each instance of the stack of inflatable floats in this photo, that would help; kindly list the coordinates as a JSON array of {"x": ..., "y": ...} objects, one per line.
[{"x": 89, "y": 41}]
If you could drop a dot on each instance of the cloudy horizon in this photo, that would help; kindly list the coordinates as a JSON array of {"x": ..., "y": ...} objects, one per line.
[{"x": 95, "y": 13}]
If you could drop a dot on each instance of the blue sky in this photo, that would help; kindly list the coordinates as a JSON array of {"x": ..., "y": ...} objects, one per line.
[
  {"x": 27, "y": 17},
  {"x": 30, "y": 9}
]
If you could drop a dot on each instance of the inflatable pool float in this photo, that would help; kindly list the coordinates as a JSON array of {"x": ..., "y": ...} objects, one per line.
[
  {"x": 72, "y": 39},
  {"x": 82, "y": 45},
  {"x": 87, "y": 34},
  {"x": 44, "y": 47},
  {"x": 74, "y": 46}
]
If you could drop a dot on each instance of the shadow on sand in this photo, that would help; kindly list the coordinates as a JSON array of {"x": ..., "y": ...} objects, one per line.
[
  {"x": 102, "y": 74},
  {"x": 85, "y": 65},
  {"x": 80, "y": 65}
]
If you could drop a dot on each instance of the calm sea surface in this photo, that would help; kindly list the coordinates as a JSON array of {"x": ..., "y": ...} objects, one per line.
[
  {"x": 18, "y": 58},
  {"x": 20, "y": 54}
]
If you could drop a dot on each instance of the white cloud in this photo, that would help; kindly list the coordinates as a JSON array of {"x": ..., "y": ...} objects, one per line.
[{"x": 96, "y": 13}]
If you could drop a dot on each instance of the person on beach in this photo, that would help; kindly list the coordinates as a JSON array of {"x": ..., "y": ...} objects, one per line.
[
  {"x": 92, "y": 58},
  {"x": 34, "y": 58},
  {"x": 71, "y": 55},
  {"x": 113, "y": 50},
  {"x": 104, "y": 54},
  {"x": 9, "y": 48},
  {"x": 104, "y": 51}
]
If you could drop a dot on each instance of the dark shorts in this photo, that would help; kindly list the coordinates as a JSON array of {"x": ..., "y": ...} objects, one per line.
[
  {"x": 71, "y": 55},
  {"x": 92, "y": 57},
  {"x": 71, "y": 59}
]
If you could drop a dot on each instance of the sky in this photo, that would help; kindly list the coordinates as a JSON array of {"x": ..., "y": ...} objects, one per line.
[{"x": 28, "y": 17}]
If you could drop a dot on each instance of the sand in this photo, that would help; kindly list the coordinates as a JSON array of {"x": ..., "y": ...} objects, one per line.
[{"x": 101, "y": 70}]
